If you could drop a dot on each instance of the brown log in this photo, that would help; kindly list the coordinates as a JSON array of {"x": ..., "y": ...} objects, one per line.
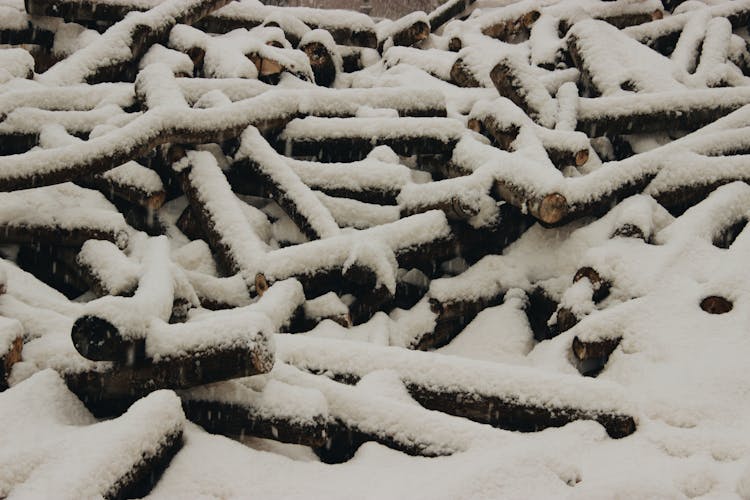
[
  {"x": 592, "y": 356},
  {"x": 11, "y": 356},
  {"x": 455, "y": 208},
  {"x": 55, "y": 266},
  {"x": 507, "y": 414},
  {"x": 235, "y": 420},
  {"x": 715, "y": 304},
  {"x": 488, "y": 407},
  {"x": 224, "y": 22},
  {"x": 144, "y": 475},
  {"x": 189, "y": 225},
  {"x": 513, "y": 30},
  {"x": 321, "y": 62},
  {"x": 599, "y": 285},
  {"x": 410, "y": 35},
  {"x": 503, "y": 136},
  {"x": 109, "y": 391},
  {"x": 60, "y": 236},
  {"x": 132, "y": 193},
  {"x": 209, "y": 220},
  {"x": 305, "y": 140},
  {"x": 92, "y": 157},
  {"x": 264, "y": 167},
  {"x": 541, "y": 306},
  {"x": 645, "y": 113},
  {"x": 728, "y": 234},
  {"x": 447, "y": 11},
  {"x": 510, "y": 82},
  {"x": 462, "y": 75},
  {"x": 142, "y": 35}
]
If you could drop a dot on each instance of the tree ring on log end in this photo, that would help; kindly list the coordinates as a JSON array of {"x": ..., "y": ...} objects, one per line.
[
  {"x": 715, "y": 304},
  {"x": 553, "y": 208}
]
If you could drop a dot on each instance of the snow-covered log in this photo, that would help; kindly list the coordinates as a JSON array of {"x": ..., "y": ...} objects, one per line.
[
  {"x": 515, "y": 399},
  {"x": 119, "y": 458},
  {"x": 209, "y": 348},
  {"x": 351, "y": 139}
]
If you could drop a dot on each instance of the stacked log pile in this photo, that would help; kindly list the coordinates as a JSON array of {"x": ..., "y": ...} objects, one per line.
[{"x": 187, "y": 185}]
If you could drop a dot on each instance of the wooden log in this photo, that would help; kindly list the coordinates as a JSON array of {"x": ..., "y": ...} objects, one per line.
[
  {"x": 657, "y": 112},
  {"x": 248, "y": 16},
  {"x": 144, "y": 475},
  {"x": 315, "y": 311},
  {"x": 87, "y": 10},
  {"x": 56, "y": 234},
  {"x": 465, "y": 391},
  {"x": 462, "y": 75},
  {"x": 10, "y": 353},
  {"x": 715, "y": 304},
  {"x": 592, "y": 356},
  {"x": 109, "y": 391},
  {"x": 567, "y": 317},
  {"x": 541, "y": 306},
  {"x": 456, "y": 208},
  {"x": 348, "y": 139},
  {"x": 270, "y": 169},
  {"x": 131, "y": 190},
  {"x": 147, "y": 132},
  {"x": 105, "y": 332},
  {"x": 219, "y": 215},
  {"x": 188, "y": 223},
  {"x": 513, "y": 29},
  {"x": 236, "y": 420},
  {"x": 561, "y": 150},
  {"x": 272, "y": 410},
  {"x": 407, "y": 31},
  {"x": 446, "y": 11},
  {"x": 662, "y": 34},
  {"x": 599, "y": 285},
  {"x": 321, "y": 62},
  {"x": 55, "y": 266},
  {"x": 125, "y": 42},
  {"x": 514, "y": 80}
]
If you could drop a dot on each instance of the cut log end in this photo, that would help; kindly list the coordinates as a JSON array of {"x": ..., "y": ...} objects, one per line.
[
  {"x": 421, "y": 31},
  {"x": 261, "y": 284},
  {"x": 581, "y": 157},
  {"x": 592, "y": 356},
  {"x": 553, "y": 208},
  {"x": 599, "y": 285},
  {"x": 99, "y": 340},
  {"x": 156, "y": 200},
  {"x": 12, "y": 356},
  {"x": 530, "y": 18},
  {"x": 715, "y": 304},
  {"x": 475, "y": 125},
  {"x": 628, "y": 230}
]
